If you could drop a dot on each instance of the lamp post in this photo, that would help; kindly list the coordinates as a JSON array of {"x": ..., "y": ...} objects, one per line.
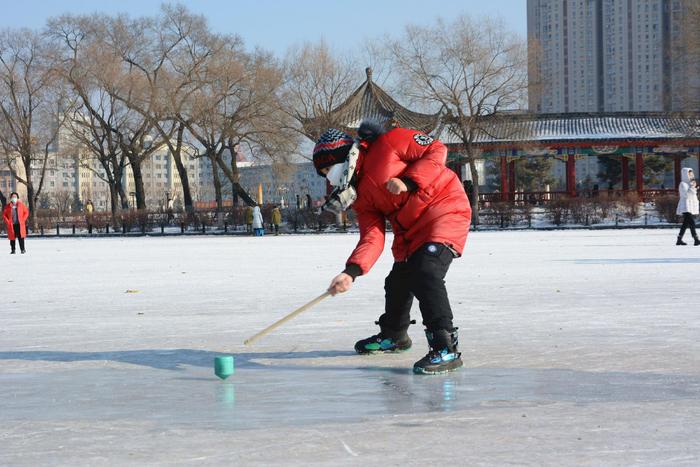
[{"x": 133, "y": 199}]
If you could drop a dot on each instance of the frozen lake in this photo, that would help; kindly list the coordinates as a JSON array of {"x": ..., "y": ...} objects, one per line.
[{"x": 580, "y": 348}]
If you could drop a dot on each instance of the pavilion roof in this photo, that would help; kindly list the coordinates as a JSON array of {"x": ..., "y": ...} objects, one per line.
[
  {"x": 553, "y": 128},
  {"x": 369, "y": 101}
]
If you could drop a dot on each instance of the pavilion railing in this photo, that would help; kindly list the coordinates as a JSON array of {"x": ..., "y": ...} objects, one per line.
[{"x": 543, "y": 197}]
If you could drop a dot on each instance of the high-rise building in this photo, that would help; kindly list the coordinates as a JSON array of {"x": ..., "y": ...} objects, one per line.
[{"x": 610, "y": 55}]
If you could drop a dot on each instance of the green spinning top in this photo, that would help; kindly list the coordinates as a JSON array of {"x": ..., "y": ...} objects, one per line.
[{"x": 223, "y": 366}]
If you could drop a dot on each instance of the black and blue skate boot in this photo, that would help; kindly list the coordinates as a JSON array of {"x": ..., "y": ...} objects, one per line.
[
  {"x": 443, "y": 356},
  {"x": 384, "y": 342}
]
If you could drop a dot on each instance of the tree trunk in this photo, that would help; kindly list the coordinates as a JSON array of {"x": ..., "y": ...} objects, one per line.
[
  {"x": 185, "y": 181},
  {"x": 3, "y": 200},
  {"x": 31, "y": 202},
  {"x": 234, "y": 170},
  {"x": 138, "y": 183},
  {"x": 238, "y": 189},
  {"x": 122, "y": 196},
  {"x": 475, "y": 181},
  {"x": 113, "y": 201},
  {"x": 234, "y": 176},
  {"x": 217, "y": 184},
  {"x": 118, "y": 185},
  {"x": 182, "y": 171}
]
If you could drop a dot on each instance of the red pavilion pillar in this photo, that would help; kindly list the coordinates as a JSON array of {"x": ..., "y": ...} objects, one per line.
[
  {"x": 625, "y": 173},
  {"x": 504, "y": 179},
  {"x": 676, "y": 170},
  {"x": 571, "y": 175},
  {"x": 639, "y": 172},
  {"x": 511, "y": 179}
]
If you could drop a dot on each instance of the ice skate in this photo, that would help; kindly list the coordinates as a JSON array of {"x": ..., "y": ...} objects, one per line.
[
  {"x": 384, "y": 342},
  {"x": 443, "y": 356}
]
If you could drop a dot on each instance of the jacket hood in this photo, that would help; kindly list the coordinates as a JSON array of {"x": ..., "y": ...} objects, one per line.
[{"x": 685, "y": 174}]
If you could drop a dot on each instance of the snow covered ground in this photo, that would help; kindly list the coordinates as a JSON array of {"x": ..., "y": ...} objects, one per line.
[{"x": 580, "y": 348}]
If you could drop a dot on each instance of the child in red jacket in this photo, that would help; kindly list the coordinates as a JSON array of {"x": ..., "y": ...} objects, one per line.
[{"x": 400, "y": 176}]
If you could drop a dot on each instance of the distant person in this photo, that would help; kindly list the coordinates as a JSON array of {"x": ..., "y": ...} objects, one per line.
[
  {"x": 687, "y": 205},
  {"x": 276, "y": 219},
  {"x": 169, "y": 207},
  {"x": 258, "y": 226},
  {"x": 89, "y": 209},
  {"x": 249, "y": 219},
  {"x": 15, "y": 216}
]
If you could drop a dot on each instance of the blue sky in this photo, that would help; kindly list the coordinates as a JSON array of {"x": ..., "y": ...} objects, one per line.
[{"x": 277, "y": 25}]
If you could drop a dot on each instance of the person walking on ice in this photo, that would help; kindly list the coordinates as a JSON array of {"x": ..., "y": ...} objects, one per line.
[
  {"x": 687, "y": 205},
  {"x": 276, "y": 219},
  {"x": 15, "y": 216},
  {"x": 258, "y": 226},
  {"x": 249, "y": 219},
  {"x": 400, "y": 176}
]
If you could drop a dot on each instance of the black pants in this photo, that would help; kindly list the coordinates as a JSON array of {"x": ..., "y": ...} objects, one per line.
[
  {"x": 688, "y": 222},
  {"x": 17, "y": 235},
  {"x": 422, "y": 276}
]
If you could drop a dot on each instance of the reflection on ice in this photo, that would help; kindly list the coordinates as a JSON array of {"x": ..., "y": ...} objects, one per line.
[
  {"x": 226, "y": 395},
  {"x": 448, "y": 394},
  {"x": 291, "y": 391}
]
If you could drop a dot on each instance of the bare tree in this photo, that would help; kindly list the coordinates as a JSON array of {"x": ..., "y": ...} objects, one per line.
[
  {"x": 136, "y": 54},
  {"x": 99, "y": 60},
  {"x": 32, "y": 109},
  {"x": 474, "y": 69},
  {"x": 94, "y": 140},
  {"x": 168, "y": 69},
  {"x": 95, "y": 122},
  {"x": 62, "y": 201},
  {"x": 193, "y": 49},
  {"x": 316, "y": 83},
  {"x": 239, "y": 106}
]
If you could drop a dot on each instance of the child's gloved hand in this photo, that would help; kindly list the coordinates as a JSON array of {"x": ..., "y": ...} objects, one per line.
[{"x": 396, "y": 186}]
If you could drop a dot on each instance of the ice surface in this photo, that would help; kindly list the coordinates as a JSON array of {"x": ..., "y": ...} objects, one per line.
[{"x": 580, "y": 347}]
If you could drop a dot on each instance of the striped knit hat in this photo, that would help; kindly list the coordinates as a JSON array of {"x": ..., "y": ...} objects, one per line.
[{"x": 332, "y": 148}]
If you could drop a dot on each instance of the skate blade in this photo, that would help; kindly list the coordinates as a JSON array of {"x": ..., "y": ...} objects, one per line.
[
  {"x": 377, "y": 352},
  {"x": 423, "y": 371}
]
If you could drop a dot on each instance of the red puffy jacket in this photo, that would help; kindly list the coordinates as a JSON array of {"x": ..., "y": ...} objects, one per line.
[
  {"x": 22, "y": 214},
  {"x": 437, "y": 210}
]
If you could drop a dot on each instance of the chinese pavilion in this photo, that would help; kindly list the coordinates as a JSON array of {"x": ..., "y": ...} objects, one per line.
[{"x": 628, "y": 136}]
